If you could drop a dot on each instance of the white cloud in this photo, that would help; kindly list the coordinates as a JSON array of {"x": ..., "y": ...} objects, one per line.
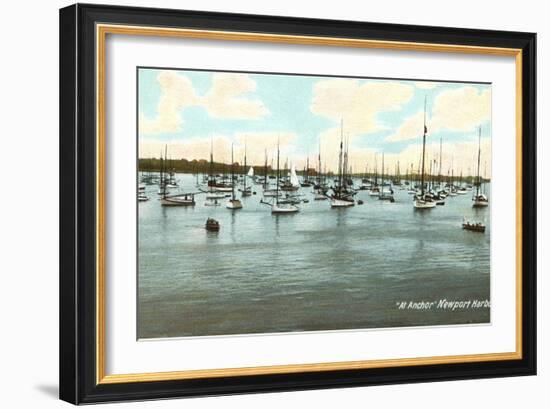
[
  {"x": 358, "y": 104},
  {"x": 457, "y": 110},
  {"x": 226, "y": 99},
  {"x": 461, "y": 109},
  {"x": 176, "y": 93},
  {"x": 410, "y": 128}
]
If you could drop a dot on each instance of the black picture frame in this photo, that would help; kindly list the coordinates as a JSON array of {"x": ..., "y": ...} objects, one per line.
[{"x": 78, "y": 360}]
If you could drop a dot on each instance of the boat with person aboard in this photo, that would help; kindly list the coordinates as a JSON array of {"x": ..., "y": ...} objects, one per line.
[{"x": 473, "y": 226}]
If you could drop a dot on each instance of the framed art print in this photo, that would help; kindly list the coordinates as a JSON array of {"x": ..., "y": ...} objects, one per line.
[{"x": 258, "y": 203}]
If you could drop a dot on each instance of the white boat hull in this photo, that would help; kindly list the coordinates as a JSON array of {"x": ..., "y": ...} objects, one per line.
[
  {"x": 423, "y": 204},
  {"x": 234, "y": 204},
  {"x": 222, "y": 189},
  {"x": 341, "y": 203},
  {"x": 215, "y": 196},
  {"x": 480, "y": 201},
  {"x": 175, "y": 201},
  {"x": 284, "y": 209}
]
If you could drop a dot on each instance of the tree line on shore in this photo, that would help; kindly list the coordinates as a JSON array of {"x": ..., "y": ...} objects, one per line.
[{"x": 203, "y": 166}]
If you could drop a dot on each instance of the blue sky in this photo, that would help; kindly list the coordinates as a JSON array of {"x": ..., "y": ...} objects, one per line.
[{"x": 189, "y": 109}]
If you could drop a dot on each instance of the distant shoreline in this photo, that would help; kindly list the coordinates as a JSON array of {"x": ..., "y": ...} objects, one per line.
[{"x": 202, "y": 166}]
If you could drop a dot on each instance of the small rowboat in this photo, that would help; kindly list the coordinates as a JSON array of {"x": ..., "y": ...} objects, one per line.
[
  {"x": 212, "y": 225},
  {"x": 478, "y": 226}
]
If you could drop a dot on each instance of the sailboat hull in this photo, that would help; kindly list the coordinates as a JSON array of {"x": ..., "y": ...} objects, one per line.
[
  {"x": 223, "y": 189},
  {"x": 176, "y": 201},
  {"x": 423, "y": 204},
  {"x": 234, "y": 204},
  {"x": 284, "y": 209},
  {"x": 480, "y": 203},
  {"x": 341, "y": 203}
]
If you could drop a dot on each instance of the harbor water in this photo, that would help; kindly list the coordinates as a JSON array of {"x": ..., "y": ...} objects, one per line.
[{"x": 375, "y": 265}]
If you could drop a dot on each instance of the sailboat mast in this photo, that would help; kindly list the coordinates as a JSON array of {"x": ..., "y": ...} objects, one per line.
[
  {"x": 244, "y": 185},
  {"x": 423, "y": 150},
  {"x": 382, "y": 176},
  {"x": 340, "y": 156},
  {"x": 478, "y": 160},
  {"x": 398, "y": 178},
  {"x": 375, "y": 170},
  {"x": 164, "y": 171},
  {"x": 210, "y": 176},
  {"x": 161, "y": 182},
  {"x": 440, "y": 158},
  {"x": 278, "y": 175},
  {"x": 319, "y": 174},
  {"x": 232, "y": 175},
  {"x": 265, "y": 170}
]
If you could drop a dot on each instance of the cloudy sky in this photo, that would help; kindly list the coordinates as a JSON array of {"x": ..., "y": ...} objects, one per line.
[{"x": 190, "y": 109}]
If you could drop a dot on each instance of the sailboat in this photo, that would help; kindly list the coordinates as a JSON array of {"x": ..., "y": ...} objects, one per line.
[
  {"x": 294, "y": 177},
  {"x": 170, "y": 182},
  {"x": 397, "y": 177},
  {"x": 212, "y": 194},
  {"x": 461, "y": 189},
  {"x": 341, "y": 197},
  {"x": 184, "y": 199},
  {"x": 216, "y": 190},
  {"x": 247, "y": 190},
  {"x": 388, "y": 193},
  {"x": 441, "y": 192},
  {"x": 280, "y": 207},
  {"x": 233, "y": 203},
  {"x": 365, "y": 182},
  {"x": 319, "y": 188},
  {"x": 423, "y": 201},
  {"x": 480, "y": 199},
  {"x": 411, "y": 189},
  {"x": 164, "y": 176},
  {"x": 374, "y": 188},
  {"x": 291, "y": 183},
  {"x": 306, "y": 182},
  {"x": 268, "y": 192}
]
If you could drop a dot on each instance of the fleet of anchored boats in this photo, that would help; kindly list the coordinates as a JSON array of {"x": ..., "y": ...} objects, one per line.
[{"x": 281, "y": 190}]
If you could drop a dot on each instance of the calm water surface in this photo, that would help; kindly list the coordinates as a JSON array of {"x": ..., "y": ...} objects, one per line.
[{"x": 320, "y": 269}]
